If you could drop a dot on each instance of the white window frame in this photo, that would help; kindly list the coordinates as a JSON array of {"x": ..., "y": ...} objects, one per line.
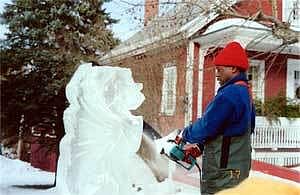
[
  {"x": 168, "y": 105},
  {"x": 261, "y": 79},
  {"x": 292, "y": 66},
  {"x": 287, "y": 7}
]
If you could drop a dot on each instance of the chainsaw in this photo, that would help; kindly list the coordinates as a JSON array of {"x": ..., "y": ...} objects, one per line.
[{"x": 184, "y": 156}]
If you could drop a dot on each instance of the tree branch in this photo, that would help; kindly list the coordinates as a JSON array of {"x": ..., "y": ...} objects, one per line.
[{"x": 280, "y": 29}]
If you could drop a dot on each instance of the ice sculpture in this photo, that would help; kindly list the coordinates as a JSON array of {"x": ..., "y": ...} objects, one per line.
[{"x": 98, "y": 152}]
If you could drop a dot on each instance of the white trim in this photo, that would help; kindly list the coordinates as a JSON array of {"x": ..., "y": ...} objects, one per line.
[
  {"x": 292, "y": 66},
  {"x": 202, "y": 53},
  {"x": 261, "y": 77},
  {"x": 189, "y": 83},
  {"x": 169, "y": 72},
  {"x": 233, "y": 22}
]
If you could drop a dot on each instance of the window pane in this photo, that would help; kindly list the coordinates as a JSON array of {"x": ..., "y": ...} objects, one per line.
[
  {"x": 255, "y": 76},
  {"x": 169, "y": 91},
  {"x": 297, "y": 75}
]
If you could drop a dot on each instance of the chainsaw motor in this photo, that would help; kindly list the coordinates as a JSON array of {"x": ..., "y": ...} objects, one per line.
[{"x": 181, "y": 154}]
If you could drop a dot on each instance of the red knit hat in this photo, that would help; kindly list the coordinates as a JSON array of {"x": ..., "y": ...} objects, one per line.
[{"x": 232, "y": 55}]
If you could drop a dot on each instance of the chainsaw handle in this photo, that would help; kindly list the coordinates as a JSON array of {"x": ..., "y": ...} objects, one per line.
[{"x": 171, "y": 140}]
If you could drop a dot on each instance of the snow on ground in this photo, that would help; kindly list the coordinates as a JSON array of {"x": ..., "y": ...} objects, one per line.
[
  {"x": 19, "y": 178},
  {"x": 296, "y": 168},
  {"x": 16, "y": 178},
  {"x": 16, "y": 172}
]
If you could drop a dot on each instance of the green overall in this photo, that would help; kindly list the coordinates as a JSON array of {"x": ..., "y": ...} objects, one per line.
[{"x": 226, "y": 162}]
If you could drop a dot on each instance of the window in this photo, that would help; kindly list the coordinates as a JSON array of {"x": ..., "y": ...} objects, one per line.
[
  {"x": 168, "y": 103},
  {"x": 297, "y": 75},
  {"x": 293, "y": 79},
  {"x": 256, "y": 75},
  {"x": 291, "y": 12}
]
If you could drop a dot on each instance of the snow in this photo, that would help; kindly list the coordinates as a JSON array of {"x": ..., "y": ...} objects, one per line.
[
  {"x": 13, "y": 169},
  {"x": 16, "y": 172},
  {"x": 296, "y": 168},
  {"x": 234, "y": 22},
  {"x": 19, "y": 178}
]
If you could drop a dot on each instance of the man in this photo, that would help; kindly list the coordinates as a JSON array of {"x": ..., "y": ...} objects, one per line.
[{"x": 223, "y": 132}]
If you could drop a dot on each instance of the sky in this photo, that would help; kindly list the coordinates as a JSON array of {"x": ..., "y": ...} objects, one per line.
[
  {"x": 3, "y": 28},
  {"x": 129, "y": 18}
]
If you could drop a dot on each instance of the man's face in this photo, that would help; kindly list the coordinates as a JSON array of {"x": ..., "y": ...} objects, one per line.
[{"x": 224, "y": 73}]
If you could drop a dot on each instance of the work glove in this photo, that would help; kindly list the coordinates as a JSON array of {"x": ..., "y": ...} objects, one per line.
[
  {"x": 191, "y": 150},
  {"x": 178, "y": 139}
]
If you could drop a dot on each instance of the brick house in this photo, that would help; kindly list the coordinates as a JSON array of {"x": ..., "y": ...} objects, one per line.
[{"x": 172, "y": 56}]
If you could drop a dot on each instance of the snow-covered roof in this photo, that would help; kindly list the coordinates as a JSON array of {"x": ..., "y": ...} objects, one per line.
[{"x": 250, "y": 34}]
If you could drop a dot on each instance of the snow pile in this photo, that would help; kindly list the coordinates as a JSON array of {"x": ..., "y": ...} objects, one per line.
[
  {"x": 11, "y": 170},
  {"x": 22, "y": 179},
  {"x": 98, "y": 152}
]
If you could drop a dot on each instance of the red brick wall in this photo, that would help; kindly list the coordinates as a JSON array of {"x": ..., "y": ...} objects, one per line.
[
  {"x": 252, "y": 6},
  {"x": 148, "y": 69},
  {"x": 208, "y": 81},
  {"x": 275, "y": 74}
]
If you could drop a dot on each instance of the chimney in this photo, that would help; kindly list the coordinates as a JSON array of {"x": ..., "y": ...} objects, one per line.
[{"x": 151, "y": 10}]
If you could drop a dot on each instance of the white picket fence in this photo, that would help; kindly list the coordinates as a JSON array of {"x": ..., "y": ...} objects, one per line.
[{"x": 285, "y": 134}]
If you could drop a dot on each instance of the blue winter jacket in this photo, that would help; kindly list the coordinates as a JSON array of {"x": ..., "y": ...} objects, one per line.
[{"x": 231, "y": 113}]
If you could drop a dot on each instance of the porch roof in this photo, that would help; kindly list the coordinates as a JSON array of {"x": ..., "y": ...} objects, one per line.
[{"x": 252, "y": 35}]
